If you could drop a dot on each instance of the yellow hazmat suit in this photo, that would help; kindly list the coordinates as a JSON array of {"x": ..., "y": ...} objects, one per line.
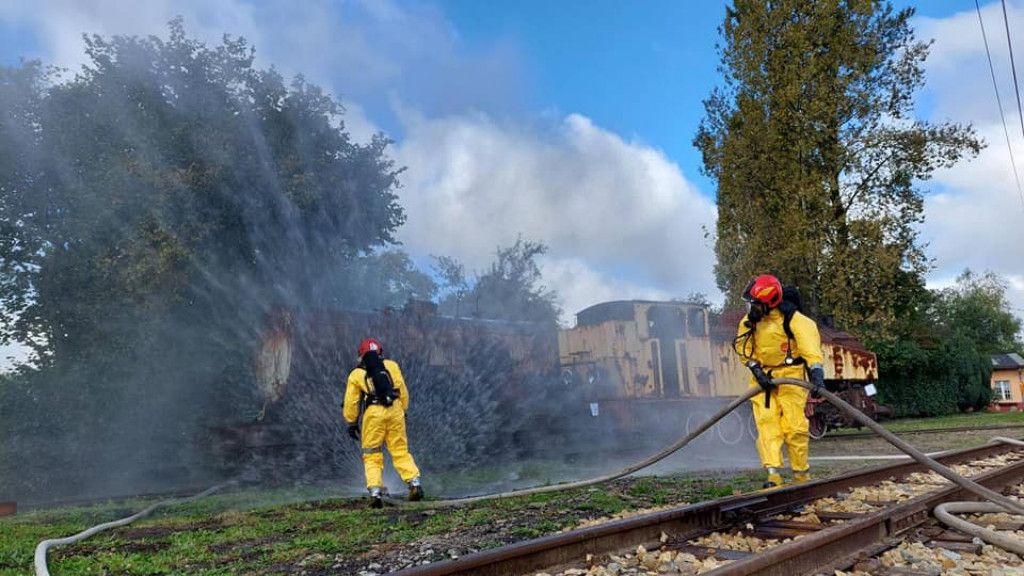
[
  {"x": 784, "y": 421},
  {"x": 381, "y": 425}
]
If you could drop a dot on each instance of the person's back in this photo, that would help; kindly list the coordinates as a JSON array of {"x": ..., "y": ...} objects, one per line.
[{"x": 376, "y": 386}]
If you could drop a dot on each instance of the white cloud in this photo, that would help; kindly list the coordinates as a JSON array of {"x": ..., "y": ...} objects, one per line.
[
  {"x": 580, "y": 285},
  {"x": 621, "y": 220},
  {"x": 975, "y": 222},
  {"x": 60, "y": 24},
  {"x": 959, "y": 80},
  {"x": 616, "y": 213},
  {"x": 362, "y": 50}
]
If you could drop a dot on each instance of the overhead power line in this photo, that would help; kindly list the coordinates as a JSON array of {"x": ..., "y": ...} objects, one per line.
[
  {"x": 999, "y": 100},
  {"x": 1013, "y": 65}
]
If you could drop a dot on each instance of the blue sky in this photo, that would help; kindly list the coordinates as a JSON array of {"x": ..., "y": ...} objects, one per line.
[
  {"x": 626, "y": 68},
  {"x": 640, "y": 69},
  {"x": 568, "y": 122}
]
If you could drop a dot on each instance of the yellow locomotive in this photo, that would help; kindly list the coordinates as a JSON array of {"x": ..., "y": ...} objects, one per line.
[{"x": 637, "y": 359}]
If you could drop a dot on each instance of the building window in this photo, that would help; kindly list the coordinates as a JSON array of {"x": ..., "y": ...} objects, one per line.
[{"x": 1002, "y": 389}]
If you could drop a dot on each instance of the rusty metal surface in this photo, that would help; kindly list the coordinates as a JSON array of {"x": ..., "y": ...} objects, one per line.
[
  {"x": 8, "y": 508},
  {"x": 689, "y": 521},
  {"x": 274, "y": 358}
]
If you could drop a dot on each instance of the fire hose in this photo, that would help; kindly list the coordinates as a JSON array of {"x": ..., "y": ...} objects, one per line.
[
  {"x": 996, "y": 502},
  {"x": 944, "y": 512},
  {"x": 42, "y": 547}
]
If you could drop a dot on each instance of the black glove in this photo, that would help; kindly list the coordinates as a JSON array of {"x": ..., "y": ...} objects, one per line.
[
  {"x": 353, "y": 431},
  {"x": 818, "y": 381},
  {"x": 762, "y": 377}
]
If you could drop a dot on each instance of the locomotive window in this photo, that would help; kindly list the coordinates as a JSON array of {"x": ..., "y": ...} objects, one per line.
[
  {"x": 656, "y": 364},
  {"x": 696, "y": 322}
]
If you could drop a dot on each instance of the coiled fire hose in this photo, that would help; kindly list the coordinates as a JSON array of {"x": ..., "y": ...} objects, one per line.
[
  {"x": 996, "y": 501},
  {"x": 42, "y": 547},
  {"x": 944, "y": 512}
]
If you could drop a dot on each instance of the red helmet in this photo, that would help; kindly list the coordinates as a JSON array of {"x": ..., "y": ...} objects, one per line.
[
  {"x": 765, "y": 288},
  {"x": 370, "y": 344}
]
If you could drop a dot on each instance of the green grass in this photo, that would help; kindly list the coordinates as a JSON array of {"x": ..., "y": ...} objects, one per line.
[
  {"x": 977, "y": 419},
  {"x": 239, "y": 533}
]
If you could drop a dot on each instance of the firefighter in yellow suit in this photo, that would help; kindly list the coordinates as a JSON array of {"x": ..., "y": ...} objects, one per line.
[
  {"x": 771, "y": 352},
  {"x": 378, "y": 385}
]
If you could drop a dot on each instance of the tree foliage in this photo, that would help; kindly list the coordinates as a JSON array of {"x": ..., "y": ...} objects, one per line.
[
  {"x": 940, "y": 360},
  {"x": 976, "y": 307},
  {"x": 509, "y": 290},
  {"x": 818, "y": 157},
  {"x": 154, "y": 208}
]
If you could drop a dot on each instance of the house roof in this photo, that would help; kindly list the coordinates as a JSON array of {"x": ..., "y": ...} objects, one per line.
[{"x": 1009, "y": 361}]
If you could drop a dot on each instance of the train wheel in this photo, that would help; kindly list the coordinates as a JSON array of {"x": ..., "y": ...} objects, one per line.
[
  {"x": 731, "y": 428},
  {"x": 817, "y": 427},
  {"x": 694, "y": 421}
]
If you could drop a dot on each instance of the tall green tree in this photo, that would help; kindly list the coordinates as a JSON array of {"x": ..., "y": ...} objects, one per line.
[
  {"x": 818, "y": 156},
  {"x": 154, "y": 208}
]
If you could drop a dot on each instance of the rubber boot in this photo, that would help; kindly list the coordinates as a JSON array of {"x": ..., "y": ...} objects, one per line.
[
  {"x": 376, "y": 500},
  {"x": 801, "y": 476},
  {"x": 774, "y": 478},
  {"x": 415, "y": 490}
]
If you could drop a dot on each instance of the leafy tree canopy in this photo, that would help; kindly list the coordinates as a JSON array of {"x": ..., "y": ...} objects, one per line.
[
  {"x": 817, "y": 154},
  {"x": 154, "y": 208},
  {"x": 172, "y": 178},
  {"x": 509, "y": 290},
  {"x": 976, "y": 308}
]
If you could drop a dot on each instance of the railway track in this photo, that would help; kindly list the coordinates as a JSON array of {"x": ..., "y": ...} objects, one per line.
[{"x": 831, "y": 524}]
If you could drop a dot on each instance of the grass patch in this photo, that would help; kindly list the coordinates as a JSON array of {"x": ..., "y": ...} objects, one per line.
[
  {"x": 238, "y": 533},
  {"x": 605, "y": 502},
  {"x": 969, "y": 419}
]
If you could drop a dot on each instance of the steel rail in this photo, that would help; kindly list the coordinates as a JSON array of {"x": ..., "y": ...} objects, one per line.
[
  {"x": 841, "y": 544},
  {"x": 686, "y": 522}
]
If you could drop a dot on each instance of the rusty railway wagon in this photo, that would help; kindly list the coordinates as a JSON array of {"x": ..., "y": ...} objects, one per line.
[
  {"x": 628, "y": 374},
  {"x": 643, "y": 364}
]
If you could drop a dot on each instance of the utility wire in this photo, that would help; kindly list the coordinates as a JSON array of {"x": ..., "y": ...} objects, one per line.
[
  {"x": 999, "y": 100},
  {"x": 1013, "y": 65}
]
